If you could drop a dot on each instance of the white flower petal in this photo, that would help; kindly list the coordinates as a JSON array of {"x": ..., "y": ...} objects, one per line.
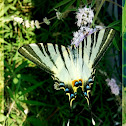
[{"x": 37, "y": 24}]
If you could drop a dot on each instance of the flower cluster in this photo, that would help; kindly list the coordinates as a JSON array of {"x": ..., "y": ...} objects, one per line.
[
  {"x": 26, "y": 23},
  {"x": 82, "y": 33},
  {"x": 84, "y": 16},
  {"x": 59, "y": 15},
  {"x": 84, "y": 19},
  {"x": 113, "y": 86}
]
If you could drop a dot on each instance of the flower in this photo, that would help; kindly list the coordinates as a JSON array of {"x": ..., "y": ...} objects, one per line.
[
  {"x": 45, "y": 20},
  {"x": 81, "y": 34},
  {"x": 37, "y": 24},
  {"x": 84, "y": 16},
  {"x": 84, "y": 19},
  {"x": 93, "y": 122},
  {"x": 78, "y": 37},
  {"x": 26, "y": 23},
  {"x": 32, "y": 24},
  {"x": 113, "y": 86},
  {"x": 68, "y": 123},
  {"x": 59, "y": 15},
  {"x": 17, "y": 19},
  {"x": 26, "y": 111}
]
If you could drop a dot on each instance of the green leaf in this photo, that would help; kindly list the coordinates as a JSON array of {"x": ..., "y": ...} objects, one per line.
[
  {"x": 115, "y": 44},
  {"x": 1, "y": 40},
  {"x": 36, "y": 122},
  {"x": 12, "y": 7},
  {"x": 60, "y": 4},
  {"x": 6, "y": 35},
  {"x": 18, "y": 84},
  {"x": 30, "y": 79},
  {"x": 114, "y": 23},
  {"x": 6, "y": 8},
  {"x": 10, "y": 122},
  {"x": 15, "y": 80},
  {"x": 18, "y": 119},
  {"x": 124, "y": 19},
  {"x": 2, "y": 117},
  {"x": 118, "y": 28},
  {"x": 92, "y": 3},
  {"x": 21, "y": 66},
  {"x": 10, "y": 92},
  {"x": 9, "y": 1},
  {"x": 85, "y": 2},
  {"x": 31, "y": 102},
  {"x": 20, "y": 107},
  {"x": 7, "y": 66},
  {"x": 78, "y": 3},
  {"x": 68, "y": 5},
  {"x": 110, "y": 99}
]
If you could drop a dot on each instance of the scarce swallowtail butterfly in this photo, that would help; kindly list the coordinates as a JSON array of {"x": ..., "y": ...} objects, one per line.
[{"x": 72, "y": 67}]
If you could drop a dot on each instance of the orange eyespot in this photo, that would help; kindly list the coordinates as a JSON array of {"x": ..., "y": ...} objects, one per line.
[
  {"x": 73, "y": 82},
  {"x": 80, "y": 80}
]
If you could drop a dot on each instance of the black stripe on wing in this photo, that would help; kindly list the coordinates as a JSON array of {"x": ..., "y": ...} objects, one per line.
[
  {"x": 92, "y": 43},
  {"x": 61, "y": 54},
  {"x": 96, "y": 37},
  {"x": 29, "y": 53},
  {"x": 83, "y": 52},
  {"x": 106, "y": 33},
  {"x": 54, "y": 46},
  {"x": 48, "y": 53},
  {"x": 40, "y": 47},
  {"x": 86, "y": 41},
  {"x": 106, "y": 42},
  {"x": 78, "y": 50},
  {"x": 68, "y": 52}
]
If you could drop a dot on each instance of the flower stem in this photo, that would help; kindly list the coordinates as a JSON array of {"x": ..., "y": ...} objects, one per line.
[
  {"x": 48, "y": 19},
  {"x": 96, "y": 15}
]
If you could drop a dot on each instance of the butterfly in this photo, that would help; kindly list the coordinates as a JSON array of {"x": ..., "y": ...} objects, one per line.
[{"x": 71, "y": 67}]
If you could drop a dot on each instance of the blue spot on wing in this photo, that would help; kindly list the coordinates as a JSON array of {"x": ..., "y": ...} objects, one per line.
[
  {"x": 76, "y": 83},
  {"x": 87, "y": 87},
  {"x": 67, "y": 90},
  {"x": 80, "y": 83},
  {"x": 71, "y": 95},
  {"x": 75, "y": 93},
  {"x": 85, "y": 93},
  {"x": 90, "y": 80},
  {"x": 61, "y": 85}
]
